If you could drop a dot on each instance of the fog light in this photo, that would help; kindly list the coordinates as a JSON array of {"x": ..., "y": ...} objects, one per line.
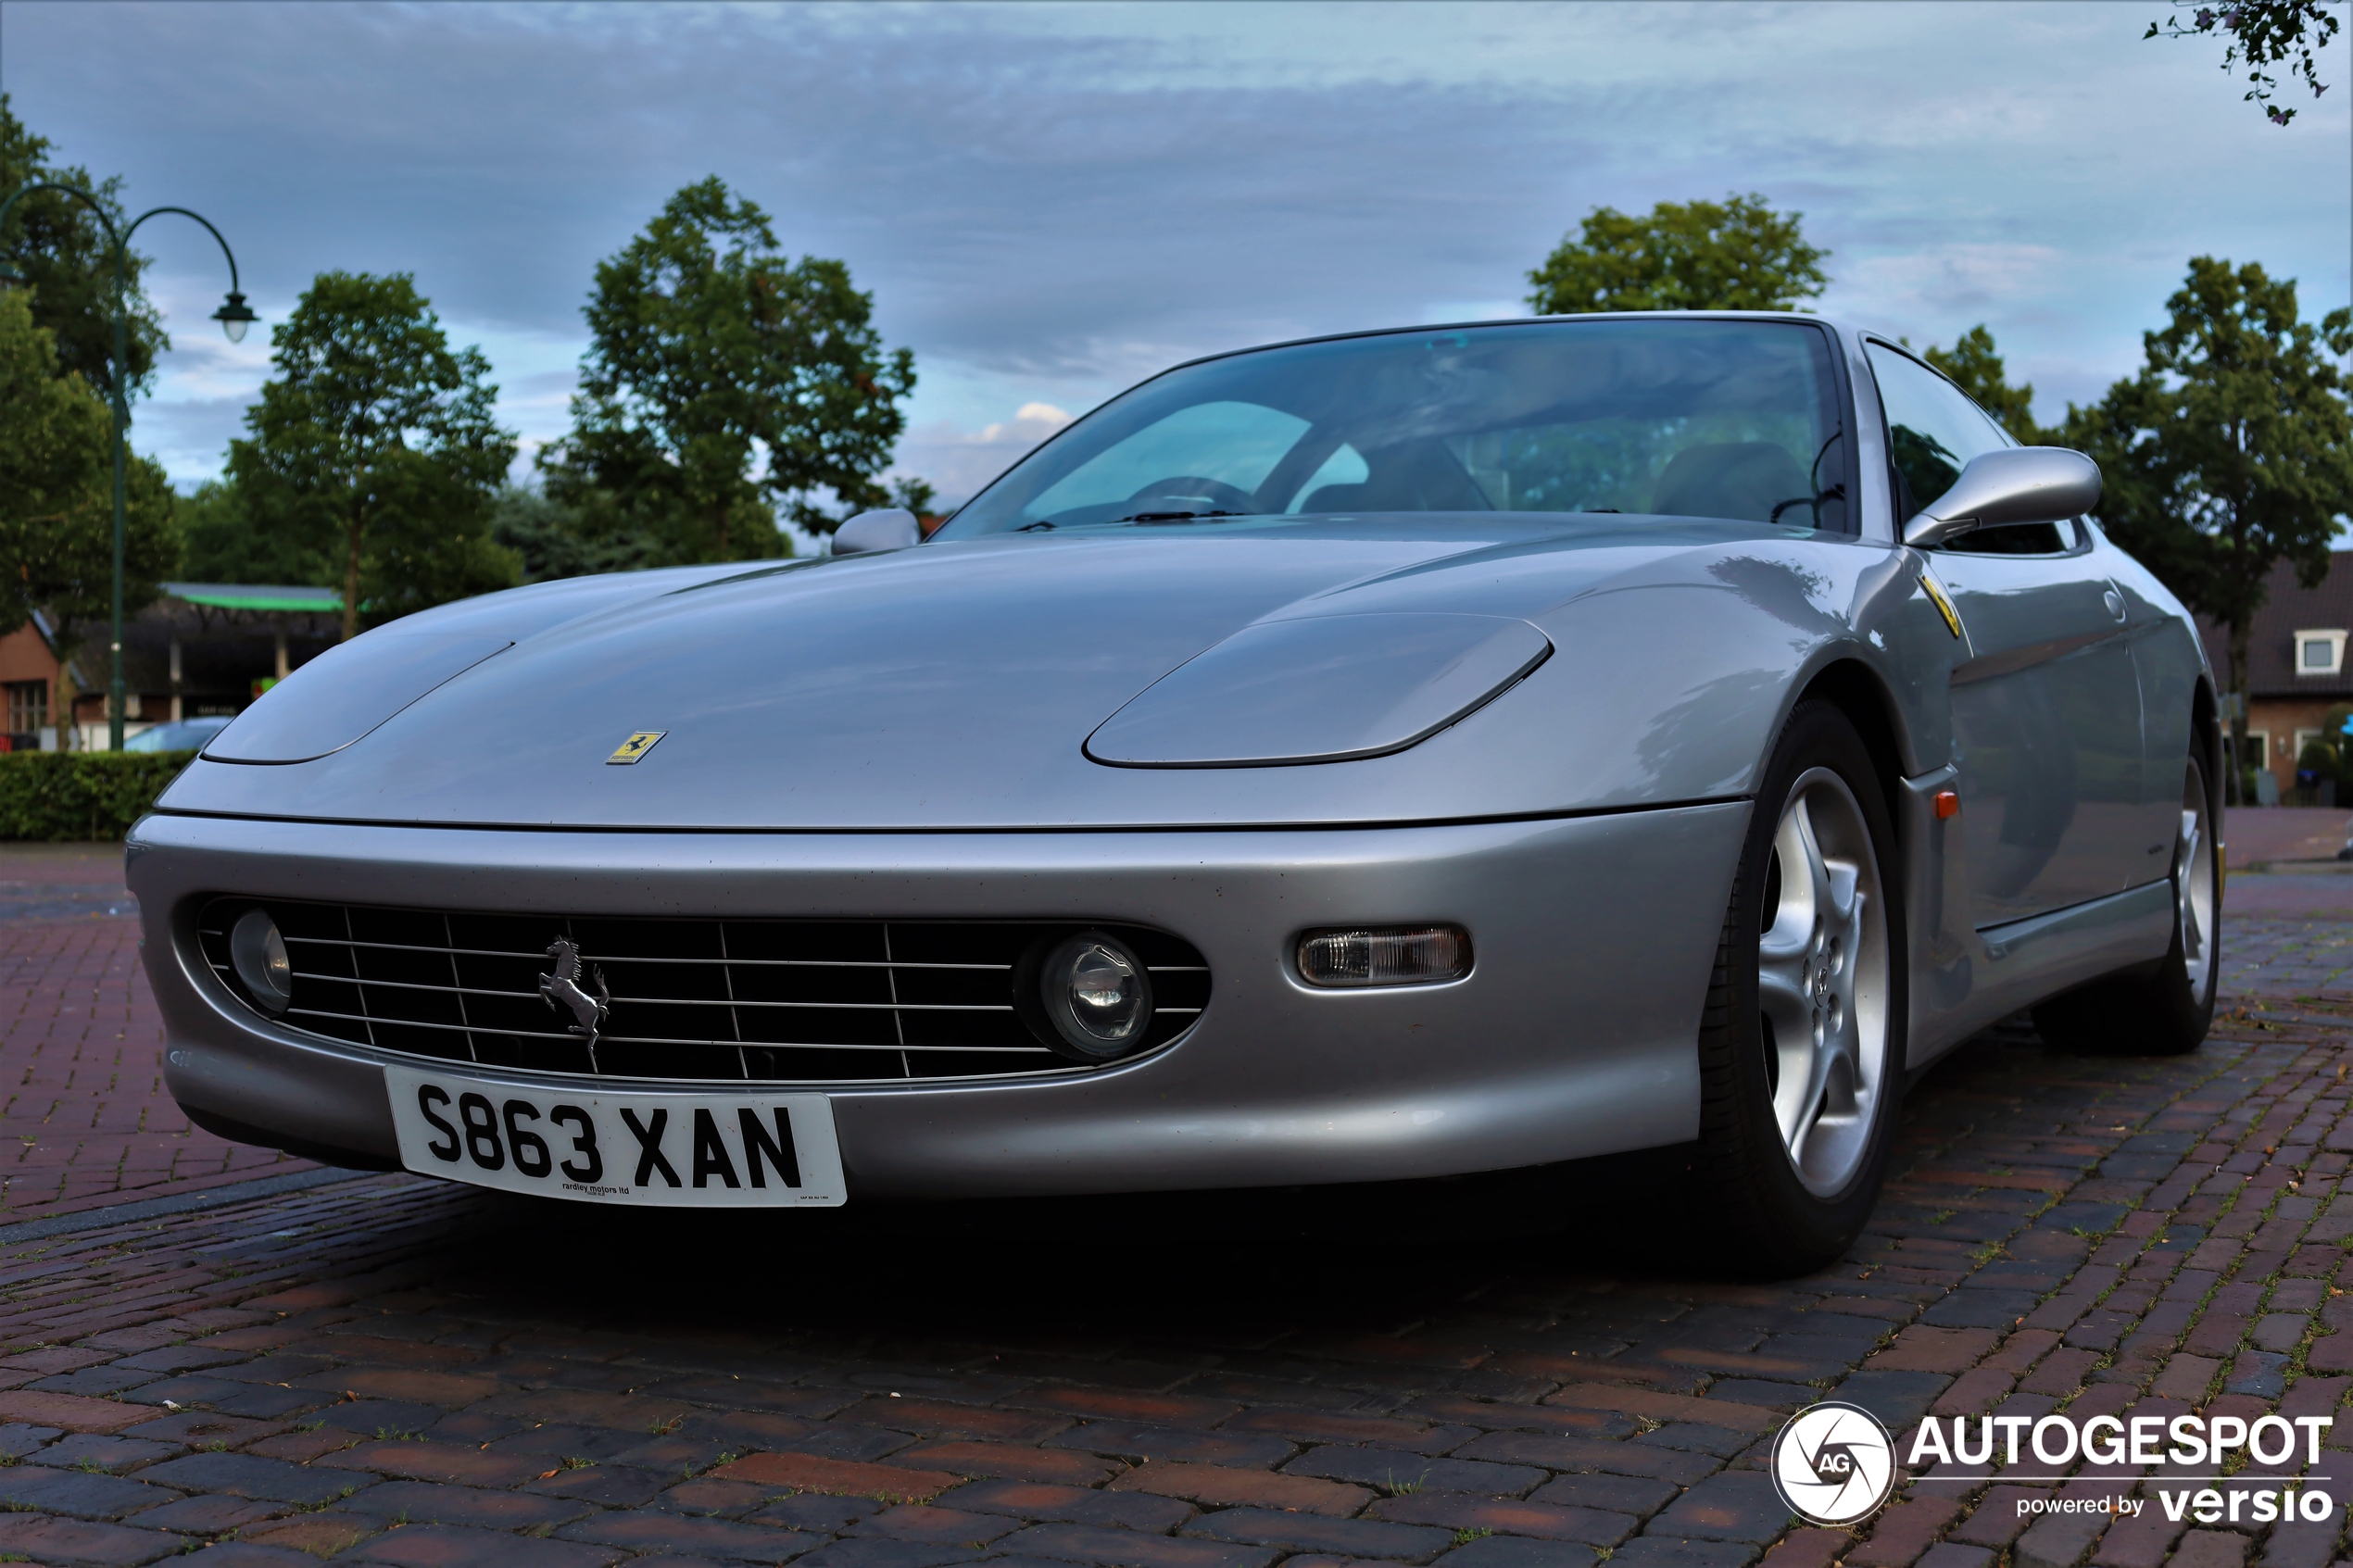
[
  {"x": 1097, "y": 995},
  {"x": 258, "y": 955},
  {"x": 1395, "y": 955}
]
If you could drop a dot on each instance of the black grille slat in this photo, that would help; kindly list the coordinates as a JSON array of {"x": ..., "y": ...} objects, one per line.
[{"x": 695, "y": 1000}]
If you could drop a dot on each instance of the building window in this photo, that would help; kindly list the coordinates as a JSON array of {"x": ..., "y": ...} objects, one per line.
[
  {"x": 2320, "y": 652},
  {"x": 2258, "y": 748},
  {"x": 27, "y": 707}
]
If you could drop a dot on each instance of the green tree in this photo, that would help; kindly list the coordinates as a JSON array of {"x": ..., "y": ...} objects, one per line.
[
  {"x": 721, "y": 383},
  {"x": 2231, "y": 451},
  {"x": 224, "y": 544},
  {"x": 553, "y": 539},
  {"x": 1978, "y": 370},
  {"x": 60, "y": 248},
  {"x": 57, "y": 501},
  {"x": 374, "y": 453},
  {"x": 1734, "y": 254},
  {"x": 2262, "y": 33}
]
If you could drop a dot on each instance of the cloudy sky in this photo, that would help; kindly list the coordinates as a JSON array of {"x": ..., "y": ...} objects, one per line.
[{"x": 1049, "y": 202}]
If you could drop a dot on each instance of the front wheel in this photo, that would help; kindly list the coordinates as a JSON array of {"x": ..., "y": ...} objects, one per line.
[
  {"x": 1801, "y": 1046},
  {"x": 2165, "y": 1009}
]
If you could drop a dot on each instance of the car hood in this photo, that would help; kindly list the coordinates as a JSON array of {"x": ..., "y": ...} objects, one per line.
[{"x": 949, "y": 685}]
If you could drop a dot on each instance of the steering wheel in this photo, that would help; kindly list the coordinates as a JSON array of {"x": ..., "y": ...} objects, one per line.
[{"x": 1193, "y": 488}]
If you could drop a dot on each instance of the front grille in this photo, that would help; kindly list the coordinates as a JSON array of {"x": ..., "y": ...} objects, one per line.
[{"x": 729, "y": 1000}]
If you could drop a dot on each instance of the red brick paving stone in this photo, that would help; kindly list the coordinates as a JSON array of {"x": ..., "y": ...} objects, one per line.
[
  {"x": 72, "y": 1411},
  {"x": 1902, "y": 1531},
  {"x": 1922, "y": 1348},
  {"x": 1107, "y": 1404},
  {"x": 1069, "y": 1505},
  {"x": 2143, "y": 1541},
  {"x": 934, "y": 1418},
  {"x": 1666, "y": 1407},
  {"x": 39, "y": 1539},
  {"x": 1332, "y": 1426},
  {"x": 1546, "y": 1521},
  {"x": 1217, "y": 1486},
  {"x": 303, "y": 1447},
  {"x": 316, "y": 1534},
  {"x": 1995, "y": 1522},
  {"x": 840, "y": 1477},
  {"x": 439, "y": 1461},
  {"x": 1316, "y": 1532},
  {"x": 1732, "y": 1505},
  {"x": 1974, "y": 1393},
  {"x": 1129, "y": 1548},
  {"x": 452, "y": 1389},
  {"x": 2211, "y": 1549},
  {"x": 1807, "y": 1548},
  {"x": 920, "y": 1521},
  {"x": 708, "y": 1538},
  {"x": 453, "y": 1546},
  {"x": 1008, "y": 1461}
]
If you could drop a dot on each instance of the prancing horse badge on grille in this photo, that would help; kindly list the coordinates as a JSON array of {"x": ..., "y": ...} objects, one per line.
[{"x": 563, "y": 989}]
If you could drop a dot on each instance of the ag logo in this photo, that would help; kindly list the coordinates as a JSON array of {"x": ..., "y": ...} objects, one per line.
[{"x": 1833, "y": 1463}]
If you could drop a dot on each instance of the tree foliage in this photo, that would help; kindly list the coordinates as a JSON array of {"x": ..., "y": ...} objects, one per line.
[
  {"x": 2232, "y": 450},
  {"x": 56, "y": 499},
  {"x": 374, "y": 458},
  {"x": 2262, "y": 33},
  {"x": 62, "y": 250},
  {"x": 1734, "y": 254},
  {"x": 1975, "y": 365},
  {"x": 720, "y": 385}
]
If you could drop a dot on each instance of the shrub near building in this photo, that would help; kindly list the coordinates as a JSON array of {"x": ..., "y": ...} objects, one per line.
[{"x": 63, "y": 796}]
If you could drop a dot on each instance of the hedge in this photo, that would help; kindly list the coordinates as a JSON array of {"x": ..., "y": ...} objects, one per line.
[{"x": 81, "y": 795}]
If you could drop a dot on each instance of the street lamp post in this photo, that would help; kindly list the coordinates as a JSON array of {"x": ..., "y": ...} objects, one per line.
[{"x": 233, "y": 317}]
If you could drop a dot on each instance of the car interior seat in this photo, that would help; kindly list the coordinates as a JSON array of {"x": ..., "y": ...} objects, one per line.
[{"x": 1744, "y": 480}]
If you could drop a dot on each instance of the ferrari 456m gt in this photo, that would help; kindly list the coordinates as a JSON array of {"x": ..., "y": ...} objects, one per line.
[{"x": 1385, "y": 756}]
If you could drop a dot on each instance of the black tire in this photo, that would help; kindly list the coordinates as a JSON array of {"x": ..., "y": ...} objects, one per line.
[
  {"x": 1772, "y": 1219},
  {"x": 2164, "y": 1009}
]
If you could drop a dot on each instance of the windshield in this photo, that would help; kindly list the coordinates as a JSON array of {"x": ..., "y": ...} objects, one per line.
[{"x": 1719, "y": 419}]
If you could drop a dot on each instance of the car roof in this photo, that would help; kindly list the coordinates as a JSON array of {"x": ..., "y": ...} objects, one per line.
[{"x": 1835, "y": 328}]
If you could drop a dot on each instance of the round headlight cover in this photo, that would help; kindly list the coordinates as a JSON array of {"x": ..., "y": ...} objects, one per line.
[
  {"x": 1096, "y": 996},
  {"x": 258, "y": 955}
]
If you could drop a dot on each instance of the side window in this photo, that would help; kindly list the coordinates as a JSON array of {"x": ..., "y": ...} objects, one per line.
[{"x": 1932, "y": 431}]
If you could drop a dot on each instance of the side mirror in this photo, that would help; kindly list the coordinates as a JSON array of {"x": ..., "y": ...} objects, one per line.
[
  {"x": 893, "y": 528},
  {"x": 2013, "y": 485}
]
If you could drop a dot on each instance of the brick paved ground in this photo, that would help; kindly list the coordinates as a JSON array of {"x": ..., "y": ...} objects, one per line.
[
  {"x": 84, "y": 1118},
  {"x": 1490, "y": 1373}
]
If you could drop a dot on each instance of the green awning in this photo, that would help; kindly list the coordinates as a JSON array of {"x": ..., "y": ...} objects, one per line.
[{"x": 258, "y": 596}]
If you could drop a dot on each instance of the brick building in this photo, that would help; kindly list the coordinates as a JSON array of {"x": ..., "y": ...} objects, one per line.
[
  {"x": 2297, "y": 664},
  {"x": 203, "y": 648}
]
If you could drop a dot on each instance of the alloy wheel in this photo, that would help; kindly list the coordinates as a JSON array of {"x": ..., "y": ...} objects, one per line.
[
  {"x": 1822, "y": 982},
  {"x": 2194, "y": 887}
]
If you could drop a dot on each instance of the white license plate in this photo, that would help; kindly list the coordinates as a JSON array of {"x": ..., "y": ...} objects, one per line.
[{"x": 684, "y": 1151}]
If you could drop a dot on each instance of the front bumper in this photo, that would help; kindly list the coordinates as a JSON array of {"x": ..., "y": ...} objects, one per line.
[{"x": 1574, "y": 1035}]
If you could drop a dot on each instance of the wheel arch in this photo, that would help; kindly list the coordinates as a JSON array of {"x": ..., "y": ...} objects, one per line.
[{"x": 1856, "y": 690}]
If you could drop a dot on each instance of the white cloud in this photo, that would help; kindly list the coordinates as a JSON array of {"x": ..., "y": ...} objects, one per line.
[{"x": 958, "y": 461}]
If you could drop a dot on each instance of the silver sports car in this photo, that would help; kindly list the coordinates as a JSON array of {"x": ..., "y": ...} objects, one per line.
[{"x": 1408, "y": 753}]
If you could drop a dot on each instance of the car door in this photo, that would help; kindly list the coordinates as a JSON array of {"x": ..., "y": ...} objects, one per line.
[{"x": 2047, "y": 707}]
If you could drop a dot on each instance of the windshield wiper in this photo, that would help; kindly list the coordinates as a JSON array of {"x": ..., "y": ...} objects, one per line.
[
  {"x": 1174, "y": 517},
  {"x": 1040, "y": 526}
]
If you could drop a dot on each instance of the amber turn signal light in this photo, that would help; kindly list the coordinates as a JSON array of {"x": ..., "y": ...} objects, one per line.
[{"x": 1948, "y": 804}]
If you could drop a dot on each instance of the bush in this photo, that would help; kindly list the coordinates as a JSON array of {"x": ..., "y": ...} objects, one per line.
[{"x": 81, "y": 795}]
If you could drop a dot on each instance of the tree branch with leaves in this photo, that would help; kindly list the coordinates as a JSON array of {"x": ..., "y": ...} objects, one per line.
[{"x": 2262, "y": 34}]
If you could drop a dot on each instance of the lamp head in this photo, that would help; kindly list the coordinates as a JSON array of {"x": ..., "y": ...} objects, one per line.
[{"x": 235, "y": 317}]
